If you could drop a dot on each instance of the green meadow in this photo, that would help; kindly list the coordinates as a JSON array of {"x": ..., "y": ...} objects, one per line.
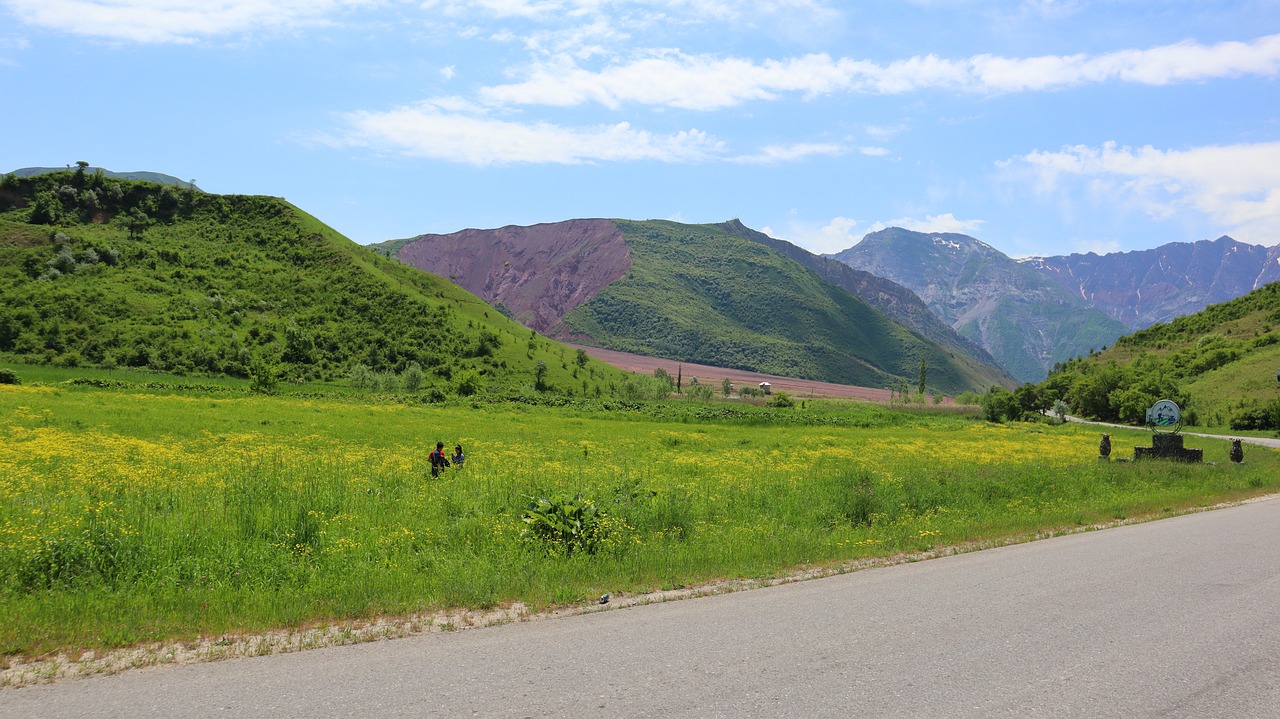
[{"x": 157, "y": 512}]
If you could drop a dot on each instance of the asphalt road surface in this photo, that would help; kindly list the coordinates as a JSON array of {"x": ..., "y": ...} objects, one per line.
[{"x": 1175, "y": 618}]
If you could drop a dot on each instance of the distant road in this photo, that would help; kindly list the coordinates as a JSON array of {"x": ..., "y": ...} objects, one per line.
[
  {"x": 1175, "y": 618},
  {"x": 708, "y": 374},
  {"x": 1260, "y": 441}
]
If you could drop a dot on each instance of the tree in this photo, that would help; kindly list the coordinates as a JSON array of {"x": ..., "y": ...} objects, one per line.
[
  {"x": 679, "y": 372},
  {"x": 540, "y": 375},
  {"x": 137, "y": 221},
  {"x": 726, "y": 386},
  {"x": 299, "y": 347},
  {"x": 999, "y": 404},
  {"x": 1030, "y": 399},
  {"x": 581, "y": 357},
  {"x": 924, "y": 376},
  {"x": 46, "y": 210}
]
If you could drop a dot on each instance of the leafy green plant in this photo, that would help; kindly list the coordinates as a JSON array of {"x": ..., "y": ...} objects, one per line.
[
  {"x": 566, "y": 525},
  {"x": 8, "y": 376}
]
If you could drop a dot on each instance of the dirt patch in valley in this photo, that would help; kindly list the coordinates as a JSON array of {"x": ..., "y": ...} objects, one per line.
[{"x": 708, "y": 374}]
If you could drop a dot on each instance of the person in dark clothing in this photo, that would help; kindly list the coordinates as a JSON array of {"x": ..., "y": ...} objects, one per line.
[
  {"x": 438, "y": 460},
  {"x": 458, "y": 456}
]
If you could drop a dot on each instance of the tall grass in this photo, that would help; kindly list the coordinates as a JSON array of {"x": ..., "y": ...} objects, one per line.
[{"x": 131, "y": 517}]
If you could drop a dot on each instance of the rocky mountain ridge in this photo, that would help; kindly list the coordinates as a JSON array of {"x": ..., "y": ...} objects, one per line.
[
  {"x": 1144, "y": 287},
  {"x": 1026, "y": 320},
  {"x": 1041, "y": 310}
]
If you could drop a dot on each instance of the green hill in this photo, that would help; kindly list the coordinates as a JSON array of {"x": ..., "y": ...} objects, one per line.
[
  {"x": 702, "y": 294},
  {"x": 1221, "y": 364},
  {"x": 109, "y": 272},
  {"x": 156, "y": 177}
]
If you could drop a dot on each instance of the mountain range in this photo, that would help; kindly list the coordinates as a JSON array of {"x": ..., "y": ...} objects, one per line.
[
  {"x": 713, "y": 294},
  {"x": 1144, "y": 287},
  {"x": 157, "y": 177},
  {"x": 1034, "y": 313}
]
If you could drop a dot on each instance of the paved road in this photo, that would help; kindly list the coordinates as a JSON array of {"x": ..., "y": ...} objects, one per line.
[
  {"x": 1176, "y": 618},
  {"x": 1260, "y": 441}
]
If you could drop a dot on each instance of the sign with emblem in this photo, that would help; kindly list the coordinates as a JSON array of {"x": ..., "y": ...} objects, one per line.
[{"x": 1164, "y": 413}]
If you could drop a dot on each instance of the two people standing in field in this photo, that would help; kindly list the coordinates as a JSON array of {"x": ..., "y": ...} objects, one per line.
[{"x": 439, "y": 461}]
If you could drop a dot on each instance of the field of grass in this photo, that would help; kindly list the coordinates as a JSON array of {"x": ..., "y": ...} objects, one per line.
[{"x": 130, "y": 516}]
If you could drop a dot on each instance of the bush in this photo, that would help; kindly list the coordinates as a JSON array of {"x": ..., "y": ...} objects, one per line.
[
  {"x": 566, "y": 525},
  {"x": 8, "y": 376},
  {"x": 1264, "y": 417},
  {"x": 360, "y": 376},
  {"x": 468, "y": 382},
  {"x": 412, "y": 377},
  {"x": 700, "y": 393},
  {"x": 262, "y": 376},
  {"x": 781, "y": 399}
]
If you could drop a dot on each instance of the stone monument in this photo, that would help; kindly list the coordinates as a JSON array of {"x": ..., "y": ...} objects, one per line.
[{"x": 1166, "y": 445}]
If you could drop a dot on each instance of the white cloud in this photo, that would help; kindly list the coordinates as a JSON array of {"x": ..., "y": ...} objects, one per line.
[
  {"x": 774, "y": 154},
  {"x": 931, "y": 223},
  {"x": 1098, "y": 246},
  {"x": 430, "y": 131},
  {"x": 162, "y": 21},
  {"x": 839, "y": 234},
  {"x": 449, "y": 72},
  {"x": 885, "y": 132},
  {"x": 706, "y": 82},
  {"x": 1237, "y": 187}
]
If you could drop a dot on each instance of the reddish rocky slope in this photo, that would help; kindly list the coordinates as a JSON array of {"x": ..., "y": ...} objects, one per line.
[{"x": 539, "y": 273}]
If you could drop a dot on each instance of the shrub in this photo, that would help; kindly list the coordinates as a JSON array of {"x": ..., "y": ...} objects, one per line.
[
  {"x": 1264, "y": 417},
  {"x": 781, "y": 399},
  {"x": 468, "y": 382},
  {"x": 412, "y": 377},
  {"x": 1060, "y": 410},
  {"x": 262, "y": 376},
  {"x": 360, "y": 377},
  {"x": 8, "y": 376},
  {"x": 700, "y": 393}
]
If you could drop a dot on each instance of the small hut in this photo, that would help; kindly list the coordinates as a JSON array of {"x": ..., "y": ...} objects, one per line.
[{"x": 766, "y": 388}]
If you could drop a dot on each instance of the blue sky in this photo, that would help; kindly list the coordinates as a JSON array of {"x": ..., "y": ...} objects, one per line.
[{"x": 1041, "y": 127}]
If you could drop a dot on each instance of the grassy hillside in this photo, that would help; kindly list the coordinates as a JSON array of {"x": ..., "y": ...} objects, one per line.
[
  {"x": 118, "y": 273},
  {"x": 1220, "y": 363},
  {"x": 701, "y": 294}
]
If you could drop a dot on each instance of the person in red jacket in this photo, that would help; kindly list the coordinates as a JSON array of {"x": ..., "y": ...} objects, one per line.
[{"x": 438, "y": 460}]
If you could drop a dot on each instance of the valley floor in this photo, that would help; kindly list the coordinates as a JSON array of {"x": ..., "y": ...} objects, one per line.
[{"x": 713, "y": 375}]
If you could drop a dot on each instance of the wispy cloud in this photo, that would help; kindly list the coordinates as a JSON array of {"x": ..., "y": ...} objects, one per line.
[
  {"x": 10, "y": 46},
  {"x": 707, "y": 82},
  {"x": 931, "y": 223},
  {"x": 1235, "y": 186},
  {"x": 774, "y": 154},
  {"x": 430, "y": 131},
  {"x": 175, "y": 21}
]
